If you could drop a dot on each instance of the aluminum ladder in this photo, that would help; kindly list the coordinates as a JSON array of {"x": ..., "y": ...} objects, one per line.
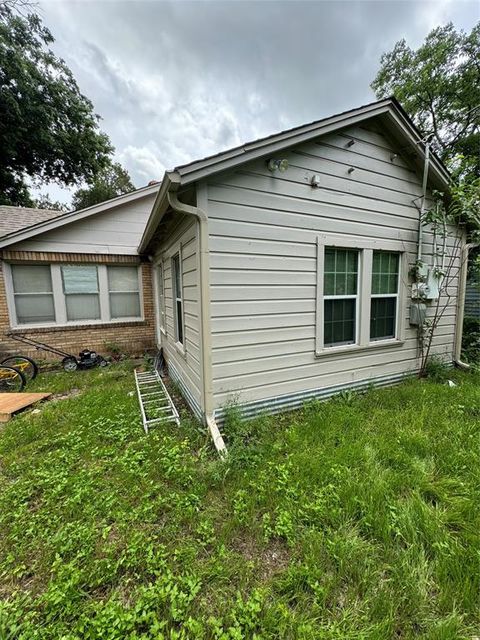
[{"x": 155, "y": 402}]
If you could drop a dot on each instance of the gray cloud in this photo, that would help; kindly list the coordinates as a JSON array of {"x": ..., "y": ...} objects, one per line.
[{"x": 178, "y": 81}]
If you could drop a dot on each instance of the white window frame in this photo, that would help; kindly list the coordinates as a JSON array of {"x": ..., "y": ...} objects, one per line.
[
  {"x": 64, "y": 296},
  {"x": 140, "y": 288},
  {"x": 176, "y": 321},
  {"x": 10, "y": 293},
  {"x": 59, "y": 297},
  {"x": 355, "y": 297},
  {"x": 365, "y": 247},
  {"x": 389, "y": 295}
]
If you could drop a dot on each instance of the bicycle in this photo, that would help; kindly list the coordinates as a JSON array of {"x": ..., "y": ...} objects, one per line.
[
  {"x": 11, "y": 379},
  {"x": 25, "y": 365}
]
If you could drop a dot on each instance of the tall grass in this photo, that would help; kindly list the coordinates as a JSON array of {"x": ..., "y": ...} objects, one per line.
[{"x": 357, "y": 518}]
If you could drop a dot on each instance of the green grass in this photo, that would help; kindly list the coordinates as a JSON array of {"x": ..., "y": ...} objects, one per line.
[{"x": 355, "y": 519}]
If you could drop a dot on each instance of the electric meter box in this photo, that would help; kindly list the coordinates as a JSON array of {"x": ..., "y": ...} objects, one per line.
[
  {"x": 418, "y": 313},
  {"x": 428, "y": 284}
]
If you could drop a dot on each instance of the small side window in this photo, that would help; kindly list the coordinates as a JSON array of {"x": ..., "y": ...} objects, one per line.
[{"x": 177, "y": 298}]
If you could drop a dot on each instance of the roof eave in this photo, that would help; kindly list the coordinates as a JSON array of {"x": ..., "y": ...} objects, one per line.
[
  {"x": 75, "y": 216},
  {"x": 171, "y": 179},
  {"x": 251, "y": 151}
]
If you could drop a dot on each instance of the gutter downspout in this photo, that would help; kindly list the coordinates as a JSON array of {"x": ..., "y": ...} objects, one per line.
[
  {"x": 206, "y": 350},
  {"x": 424, "y": 197},
  {"x": 461, "y": 306}
]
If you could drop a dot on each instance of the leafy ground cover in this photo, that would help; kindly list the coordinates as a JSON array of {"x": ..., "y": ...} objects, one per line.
[{"x": 357, "y": 518}]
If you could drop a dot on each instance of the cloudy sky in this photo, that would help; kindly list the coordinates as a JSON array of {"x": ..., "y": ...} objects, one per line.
[{"x": 175, "y": 81}]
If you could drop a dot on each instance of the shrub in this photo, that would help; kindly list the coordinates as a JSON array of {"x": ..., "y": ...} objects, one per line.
[
  {"x": 471, "y": 340},
  {"x": 436, "y": 369}
]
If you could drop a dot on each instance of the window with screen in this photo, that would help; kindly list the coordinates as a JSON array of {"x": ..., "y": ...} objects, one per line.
[
  {"x": 384, "y": 296},
  {"x": 33, "y": 294},
  {"x": 123, "y": 292},
  {"x": 177, "y": 298},
  {"x": 340, "y": 293},
  {"x": 80, "y": 287}
]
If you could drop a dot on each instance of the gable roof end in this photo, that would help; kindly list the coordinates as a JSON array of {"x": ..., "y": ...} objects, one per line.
[
  {"x": 74, "y": 216},
  {"x": 389, "y": 110}
]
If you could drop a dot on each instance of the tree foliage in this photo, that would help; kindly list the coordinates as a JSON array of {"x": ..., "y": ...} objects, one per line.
[
  {"x": 113, "y": 181},
  {"x": 44, "y": 201},
  {"x": 48, "y": 129},
  {"x": 439, "y": 86}
]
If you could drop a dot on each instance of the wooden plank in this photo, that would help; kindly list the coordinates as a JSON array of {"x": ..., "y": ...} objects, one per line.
[{"x": 11, "y": 403}]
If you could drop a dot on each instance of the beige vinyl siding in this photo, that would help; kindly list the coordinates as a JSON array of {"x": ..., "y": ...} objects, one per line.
[
  {"x": 117, "y": 231},
  {"x": 183, "y": 366},
  {"x": 263, "y": 258}
]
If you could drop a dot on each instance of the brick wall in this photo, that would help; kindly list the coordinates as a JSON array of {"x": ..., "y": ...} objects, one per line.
[{"x": 131, "y": 337}]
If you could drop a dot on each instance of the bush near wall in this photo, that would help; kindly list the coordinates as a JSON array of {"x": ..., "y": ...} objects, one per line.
[{"x": 471, "y": 340}]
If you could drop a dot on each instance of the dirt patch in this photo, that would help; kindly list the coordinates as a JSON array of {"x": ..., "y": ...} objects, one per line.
[
  {"x": 269, "y": 559},
  {"x": 66, "y": 394}
]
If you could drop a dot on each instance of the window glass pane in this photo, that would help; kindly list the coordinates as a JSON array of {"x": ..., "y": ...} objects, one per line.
[
  {"x": 160, "y": 281},
  {"x": 177, "y": 288},
  {"x": 177, "y": 294},
  {"x": 82, "y": 306},
  {"x": 122, "y": 278},
  {"x": 33, "y": 309},
  {"x": 339, "y": 323},
  {"x": 179, "y": 322},
  {"x": 341, "y": 272},
  {"x": 329, "y": 260},
  {"x": 385, "y": 272},
  {"x": 383, "y": 313},
  {"x": 80, "y": 279},
  {"x": 329, "y": 284},
  {"x": 31, "y": 278},
  {"x": 125, "y": 305}
]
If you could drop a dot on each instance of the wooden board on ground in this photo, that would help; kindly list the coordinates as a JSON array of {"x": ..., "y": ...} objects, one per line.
[{"x": 10, "y": 403}]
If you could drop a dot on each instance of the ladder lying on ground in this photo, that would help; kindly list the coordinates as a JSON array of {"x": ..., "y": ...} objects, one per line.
[{"x": 156, "y": 404}]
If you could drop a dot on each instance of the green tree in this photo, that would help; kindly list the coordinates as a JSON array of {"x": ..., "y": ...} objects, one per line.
[
  {"x": 45, "y": 202},
  {"x": 439, "y": 86},
  {"x": 111, "y": 182},
  {"x": 48, "y": 129}
]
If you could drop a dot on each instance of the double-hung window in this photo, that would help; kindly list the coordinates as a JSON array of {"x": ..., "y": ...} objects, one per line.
[
  {"x": 33, "y": 294},
  {"x": 384, "y": 298},
  {"x": 177, "y": 298},
  {"x": 359, "y": 293},
  {"x": 81, "y": 291},
  {"x": 340, "y": 293},
  {"x": 123, "y": 292}
]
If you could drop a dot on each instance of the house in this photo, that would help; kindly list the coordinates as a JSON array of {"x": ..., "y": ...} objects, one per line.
[
  {"x": 282, "y": 267},
  {"x": 75, "y": 280},
  {"x": 269, "y": 274}
]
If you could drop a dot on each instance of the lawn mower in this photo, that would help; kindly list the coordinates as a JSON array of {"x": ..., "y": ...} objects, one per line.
[{"x": 87, "y": 359}]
